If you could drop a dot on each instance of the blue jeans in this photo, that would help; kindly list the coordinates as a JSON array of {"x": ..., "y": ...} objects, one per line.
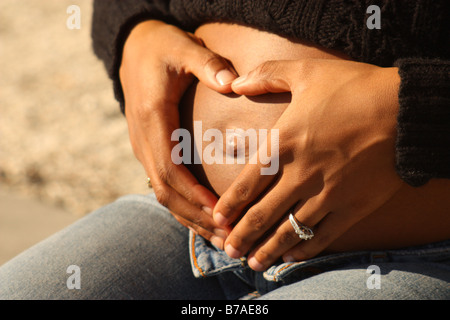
[{"x": 134, "y": 249}]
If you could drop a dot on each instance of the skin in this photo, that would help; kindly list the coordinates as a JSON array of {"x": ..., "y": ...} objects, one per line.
[
  {"x": 329, "y": 145},
  {"x": 336, "y": 120},
  {"x": 151, "y": 107}
]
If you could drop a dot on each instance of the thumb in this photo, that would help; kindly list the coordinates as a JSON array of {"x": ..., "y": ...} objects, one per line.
[
  {"x": 270, "y": 76},
  {"x": 211, "y": 69}
]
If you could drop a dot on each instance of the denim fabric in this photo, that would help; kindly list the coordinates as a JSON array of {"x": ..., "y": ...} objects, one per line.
[
  {"x": 134, "y": 249},
  {"x": 207, "y": 260},
  {"x": 430, "y": 263},
  {"x": 130, "y": 249}
]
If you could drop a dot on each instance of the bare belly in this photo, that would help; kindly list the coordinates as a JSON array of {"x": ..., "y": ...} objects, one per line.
[{"x": 413, "y": 216}]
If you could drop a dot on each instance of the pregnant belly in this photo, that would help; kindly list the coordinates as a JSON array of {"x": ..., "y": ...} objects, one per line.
[{"x": 414, "y": 216}]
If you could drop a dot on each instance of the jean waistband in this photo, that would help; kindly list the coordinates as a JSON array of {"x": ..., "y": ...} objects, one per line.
[
  {"x": 436, "y": 252},
  {"x": 207, "y": 260}
]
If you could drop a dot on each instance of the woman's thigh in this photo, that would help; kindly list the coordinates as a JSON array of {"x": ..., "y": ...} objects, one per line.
[
  {"x": 130, "y": 249},
  {"x": 383, "y": 281}
]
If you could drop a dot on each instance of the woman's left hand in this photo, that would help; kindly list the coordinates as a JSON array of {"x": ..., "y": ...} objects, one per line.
[{"x": 336, "y": 159}]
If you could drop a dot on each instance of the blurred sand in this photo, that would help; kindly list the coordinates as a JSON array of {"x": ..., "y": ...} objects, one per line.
[
  {"x": 63, "y": 141},
  {"x": 25, "y": 221}
]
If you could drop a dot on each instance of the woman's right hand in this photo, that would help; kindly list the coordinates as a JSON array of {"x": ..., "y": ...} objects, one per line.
[{"x": 159, "y": 63}]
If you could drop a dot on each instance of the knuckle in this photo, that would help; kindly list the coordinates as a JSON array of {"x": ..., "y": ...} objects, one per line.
[
  {"x": 196, "y": 219},
  {"x": 242, "y": 191},
  {"x": 236, "y": 240},
  {"x": 287, "y": 237},
  {"x": 162, "y": 193},
  {"x": 166, "y": 172},
  {"x": 327, "y": 194},
  {"x": 267, "y": 84},
  {"x": 267, "y": 68},
  {"x": 314, "y": 247},
  {"x": 304, "y": 64},
  {"x": 188, "y": 195},
  {"x": 227, "y": 206},
  {"x": 286, "y": 149},
  {"x": 210, "y": 59},
  {"x": 306, "y": 253},
  {"x": 256, "y": 219},
  {"x": 140, "y": 112},
  {"x": 305, "y": 67},
  {"x": 300, "y": 255},
  {"x": 196, "y": 216},
  {"x": 265, "y": 255}
]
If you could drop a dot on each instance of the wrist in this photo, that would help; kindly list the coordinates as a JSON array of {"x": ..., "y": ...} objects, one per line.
[
  {"x": 140, "y": 32},
  {"x": 144, "y": 27},
  {"x": 388, "y": 83}
]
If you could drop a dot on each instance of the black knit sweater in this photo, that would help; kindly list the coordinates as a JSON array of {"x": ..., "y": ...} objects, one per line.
[{"x": 414, "y": 36}]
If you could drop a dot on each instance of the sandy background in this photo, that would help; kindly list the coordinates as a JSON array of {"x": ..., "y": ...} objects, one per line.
[{"x": 63, "y": 142}]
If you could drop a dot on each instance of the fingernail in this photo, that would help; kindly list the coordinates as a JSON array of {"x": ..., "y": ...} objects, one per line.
[
  {"x": 220, "y": 233},
  {"x": 225, "y": 77},
  {"x": 207, "y": 210},
  {"x": 240, "y": 80},
  {"x": 217, "y": 241},
  {"x": 232, "y": 252},
  {"x": 220, "y": 219},
  {"x": 288, "y": 259},
  {"x": 255, "y": 264}
]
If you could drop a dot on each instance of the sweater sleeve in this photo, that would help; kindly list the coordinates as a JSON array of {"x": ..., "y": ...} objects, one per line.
[
  {"x": 111, "y": 24},
  {"x": 423, "y": 133}
]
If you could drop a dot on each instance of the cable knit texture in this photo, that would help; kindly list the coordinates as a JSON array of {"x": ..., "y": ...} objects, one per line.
[
  {"x": 414, "y": 37},
  {"x": 423, "y": 147}
]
